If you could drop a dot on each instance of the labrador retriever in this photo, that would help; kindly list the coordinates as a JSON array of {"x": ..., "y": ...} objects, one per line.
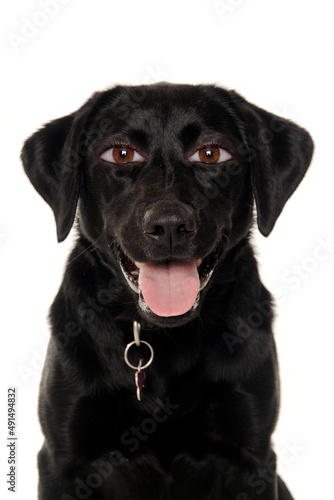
[{"x": 160, "y": 381}]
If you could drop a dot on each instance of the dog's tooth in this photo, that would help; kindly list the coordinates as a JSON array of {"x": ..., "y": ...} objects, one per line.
[
  {"x": 204, "y": 281},
  {"x": 196, "y": 302},
  {"x": 130, "y": 281},
  {"x": 142, "y": 304},
  {"x": 199, "y": 262}
]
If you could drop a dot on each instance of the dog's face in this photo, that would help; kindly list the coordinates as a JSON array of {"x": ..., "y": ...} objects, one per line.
[
  {"x": 164, "y": 178},
  {"x": 152, "y": 194}
]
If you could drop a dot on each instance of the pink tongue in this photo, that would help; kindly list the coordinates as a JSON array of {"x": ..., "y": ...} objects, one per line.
[{"x": 169, "y": 289}]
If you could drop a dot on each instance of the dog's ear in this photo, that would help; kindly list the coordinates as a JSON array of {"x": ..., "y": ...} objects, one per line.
[
  {"x": 280, "y": 152},
  {"x": 51, "y": 158}
]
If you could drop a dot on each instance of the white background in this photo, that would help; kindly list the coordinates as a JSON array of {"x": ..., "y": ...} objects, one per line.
[{"x": 279, "y": 55}]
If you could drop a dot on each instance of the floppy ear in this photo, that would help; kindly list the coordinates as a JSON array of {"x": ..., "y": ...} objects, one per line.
[
  {"x": 48, "y": 164},
  {"x": 51, "y": 158},
  {"x": 280, "y": 152}
]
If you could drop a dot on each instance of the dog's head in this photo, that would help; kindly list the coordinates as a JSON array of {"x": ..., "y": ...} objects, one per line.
[{"x": 164, "y": 178}]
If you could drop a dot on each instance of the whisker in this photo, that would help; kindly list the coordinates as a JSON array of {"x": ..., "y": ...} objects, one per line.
[{"x": 92, "y": 247}]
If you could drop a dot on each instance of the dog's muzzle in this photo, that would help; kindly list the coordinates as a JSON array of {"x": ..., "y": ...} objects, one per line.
[{"x": 168, "y": 286}]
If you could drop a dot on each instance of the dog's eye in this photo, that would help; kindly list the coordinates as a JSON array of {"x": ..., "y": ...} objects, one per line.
[
  {"x": 121, "y": 155},
  {"x": 210, "y": 154}
]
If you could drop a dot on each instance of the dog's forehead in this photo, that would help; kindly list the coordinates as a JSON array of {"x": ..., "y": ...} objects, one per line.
[{"x": 174, "y": 108}]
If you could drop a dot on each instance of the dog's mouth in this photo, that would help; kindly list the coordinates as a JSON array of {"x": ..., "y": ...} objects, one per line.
[{"x": 168, "y": 288}]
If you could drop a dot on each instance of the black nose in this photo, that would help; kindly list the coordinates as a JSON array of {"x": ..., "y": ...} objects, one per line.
[{"x": 169, "y": 223}]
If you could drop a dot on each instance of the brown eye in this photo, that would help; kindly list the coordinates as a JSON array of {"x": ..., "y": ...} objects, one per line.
[
  {"x": 121, "y": 155},
  {"x": 210, "y": 154}
]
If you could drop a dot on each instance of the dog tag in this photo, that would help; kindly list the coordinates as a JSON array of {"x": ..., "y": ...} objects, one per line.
[{"x": 140, "y": 379}]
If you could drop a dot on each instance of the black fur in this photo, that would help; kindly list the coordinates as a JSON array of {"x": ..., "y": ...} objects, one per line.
[{"x": 203, "y": 428}]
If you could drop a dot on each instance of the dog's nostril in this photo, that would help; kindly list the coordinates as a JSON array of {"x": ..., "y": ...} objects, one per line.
[
  {"x": 156, "y": 231},
  {"x": 182, "y": 229}
]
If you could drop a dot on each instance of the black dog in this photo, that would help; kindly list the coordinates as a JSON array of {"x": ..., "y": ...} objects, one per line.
[{"x": 163, "y": 180}]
